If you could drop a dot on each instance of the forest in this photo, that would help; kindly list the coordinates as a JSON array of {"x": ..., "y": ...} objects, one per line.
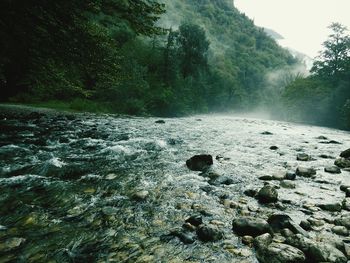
[
  {"x": 126, "y": 57},
  {"x": 164, "y": 58}
]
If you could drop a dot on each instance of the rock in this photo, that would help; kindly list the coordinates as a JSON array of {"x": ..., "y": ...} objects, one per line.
[
  {"x": 274, "y": 148},
  {"x": 185, "y": 238},
  {"x": 195, "y": 220},
  {"x": 305, "y": 225},
  {"x": 222, "y": 180},
  {"x": 331, "y": 207},
  {"x": 262, "y": 241},
  {"x": 199, "y": 162},
  {"x": 322, "y": 252},
  {"x": 343, "y": 221},
  {"x": 278, "y": 222},
  {"x": 346, "y": 204},
  {"x": 287, "y": 184},
  {"x": 267, "y": 133},
  {"x": 209, "y": 233},
  {"x": 345, "y": 154},
  {"x": 247, "y": 240},
  {"x": 11, "y": 244},
  {"x": 332, "y": 170},
  {"x": 280, "y": 253},
  {"x": 250, "y": 192},
  {"x": 324, "y": 156},
  {"x": 160, "y": 121},
  {"x": 266, "y": 178},
  {"x": 267, "y": 194},
  {"x": 342, "y": 162},
  {"x": 315, "y": 222},
  {"x": 290, "y": 176},
  {"x": 250, "y": 226},
  {"x": 322, "y": 137},
  {"x": 303, "y": 157},
  {"x": 140, "y": 196},
  {"x": 279, "y": 175},
  {"x": 306, "y": 172},
  {"x": 340, "y": 230}
]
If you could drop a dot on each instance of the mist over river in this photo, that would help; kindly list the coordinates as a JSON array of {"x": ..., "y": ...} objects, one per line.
[{"x": 108, "y": 188}]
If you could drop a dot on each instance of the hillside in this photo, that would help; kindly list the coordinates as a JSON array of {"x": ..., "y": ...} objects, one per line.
[{"x": 139, "y": 57}]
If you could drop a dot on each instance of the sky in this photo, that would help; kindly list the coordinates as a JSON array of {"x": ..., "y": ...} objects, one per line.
[{"x": 303, "y": 23}]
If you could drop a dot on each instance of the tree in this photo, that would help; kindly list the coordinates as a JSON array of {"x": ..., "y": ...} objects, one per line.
[
  {"x": 193, "y": 49},
  {"x": 334, "y": 60}
]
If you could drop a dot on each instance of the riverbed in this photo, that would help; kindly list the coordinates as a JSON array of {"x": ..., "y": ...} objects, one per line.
[{"x": 106, "y": 188}]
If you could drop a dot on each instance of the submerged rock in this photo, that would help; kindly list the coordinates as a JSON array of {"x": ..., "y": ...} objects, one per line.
[
  {"x": 306, "y": 172},
  {"x": 267, "y": 194},
  {"x": 195, "y": 220},
  {"x": 332, "y": 207},
  {"x": 332, "y": 170},
  {"x": 160, "y": 121},
  {"x": 340, "y": 230},
  {"x": 274, "y": 148},
  {"x": 140, "y": 196},
  {"x": 267, "y": 133},
  {"x": 250, "y": 226},
  {"x": 303, "y": 157},
  {"x": 199, "y": 162},
  {"x": 11, "y": 244}
]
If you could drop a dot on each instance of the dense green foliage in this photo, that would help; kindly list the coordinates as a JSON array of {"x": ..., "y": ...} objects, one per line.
[
  {"x": 200, "y": 56},
  {"x": 324, "y": 96}
]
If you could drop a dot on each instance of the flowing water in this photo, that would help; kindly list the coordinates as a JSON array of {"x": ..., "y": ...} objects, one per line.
[{"x": 68, "y": 183}]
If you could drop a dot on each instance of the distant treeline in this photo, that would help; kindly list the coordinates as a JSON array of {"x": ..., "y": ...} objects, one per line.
[
  {"x": 324, "y": 96},
  {"x": 135, "y": 56}
]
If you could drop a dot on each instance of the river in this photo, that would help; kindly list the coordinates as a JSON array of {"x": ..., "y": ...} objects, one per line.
[{"x": 107, "y": 188}]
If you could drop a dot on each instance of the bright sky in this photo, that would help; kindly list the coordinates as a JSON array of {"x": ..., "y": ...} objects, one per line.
[{"x": 303, "y": 23}]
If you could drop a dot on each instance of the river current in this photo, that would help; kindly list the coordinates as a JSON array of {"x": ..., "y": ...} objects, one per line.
[{"x": 104, "y": 188}]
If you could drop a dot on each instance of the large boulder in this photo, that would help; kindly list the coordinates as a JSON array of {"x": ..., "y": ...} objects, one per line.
[
  {"x": 280, "y": 253},
  {"x": 267, "y": 194},
  {"x": 209, "y": 233},
  {"x": 199, "y": 162},
  {"x": 342, "y": 162},
  {"x": 250, "y": 226},
  {"x": 345, "y": 154},
  {"x": 278, "y": 222}
]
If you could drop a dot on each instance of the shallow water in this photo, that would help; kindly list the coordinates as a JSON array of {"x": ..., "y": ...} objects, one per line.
[{"x": 67, "y": 184}]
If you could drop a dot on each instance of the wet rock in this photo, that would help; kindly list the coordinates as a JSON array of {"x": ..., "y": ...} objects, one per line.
[
  {"x": 322, "y": 252},
  {"x": 305, "y": 225},
  {"x": 160, "y": 121},
  {"x": 287, "y": 184},
  {"x": 345, "y": 154},
  {"x": 11, "y": 244},
  {"x": 184, "y": 237},
  {"x": 199, "y": 162},
  {"x": 331, "y": 207},
  {"x": 267, "y": 194},
  {"x": 332, "y": 170},
  {"x": 303, "y": 157},
  {"x": 278, "y": 222},
  {"x": 266, "y": 178},
  {"x": 247, "y": 240},
  {"x": 267, "y": 133},
  {"x": 290, "y": 176},
  {"x": 250, "y": 192},
  {"x": 346, "y": 204},
  {"x": 140, "y": 196},
  {"x": 262, "y": 241},
  {"x": 324, "y": 156},
  {"x": 315, "y": 222},
  {"x": 222, "y": 180},
  {"x": 305, "y": 172},
  {"x": 321, "y": 137},
  {"x": 250, "y": 226},
  {"x": 280, "y": 253},
  {"x": 195, "y": 220},
  {"x": 274, "y": 148},
  {"x": 343, "y": 221},
  {"x": 340, "y": 230},
  {"x": 342, "y": 162},
  {"x": 209, "y": 233}
]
